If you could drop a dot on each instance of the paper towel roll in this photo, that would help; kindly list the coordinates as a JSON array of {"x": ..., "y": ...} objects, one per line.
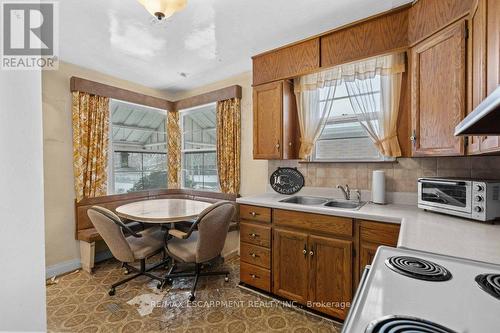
[{"x": 378, "y": 187}]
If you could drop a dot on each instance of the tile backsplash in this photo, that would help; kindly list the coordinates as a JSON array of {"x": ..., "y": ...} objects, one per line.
[{"x": 401, "y": 176}]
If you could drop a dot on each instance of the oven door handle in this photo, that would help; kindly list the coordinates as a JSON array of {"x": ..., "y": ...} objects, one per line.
[
  {"x": 361, "y": 286},
  {"x": 441, "y": 182}
]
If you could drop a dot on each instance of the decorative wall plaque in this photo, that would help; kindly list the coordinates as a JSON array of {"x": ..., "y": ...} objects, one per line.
[{"x": 287, "y": 180}]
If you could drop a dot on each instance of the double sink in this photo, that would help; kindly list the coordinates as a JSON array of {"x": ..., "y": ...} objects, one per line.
[{"x": 331, "y": 203}]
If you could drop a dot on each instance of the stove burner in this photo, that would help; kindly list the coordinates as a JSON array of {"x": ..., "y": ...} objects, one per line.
[
  {"x": 490, "y": 283},
  {"x": 401, "y": 324},
  {"x": 418, "y": 268}
]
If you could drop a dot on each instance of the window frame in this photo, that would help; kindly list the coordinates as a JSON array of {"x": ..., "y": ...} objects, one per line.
[
  {"x": 182, "y": 114},
  {"x": 344, "y": 119},
  {"x": 112, "y": 150}
]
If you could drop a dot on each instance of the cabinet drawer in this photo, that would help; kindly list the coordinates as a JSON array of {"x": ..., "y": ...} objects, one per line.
[
  {"x": 255, "y": 255},
  {"x": 255, "y": 234},
  {"x": 255, "y": 213},
  {"x": 379, "y": 233},
  {"x": 255, "y": 276},
  {"x": 314, "y": 222}
]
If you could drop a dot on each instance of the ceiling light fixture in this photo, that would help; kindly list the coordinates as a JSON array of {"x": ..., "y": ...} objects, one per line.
[{"x": 162, "y": 9}]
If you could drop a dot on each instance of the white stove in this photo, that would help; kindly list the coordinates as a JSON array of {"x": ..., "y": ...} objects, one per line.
[{"x": 413, "y": 291}]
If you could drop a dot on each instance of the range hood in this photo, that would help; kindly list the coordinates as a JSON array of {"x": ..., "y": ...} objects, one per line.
[{"x": 485, "y": 119}]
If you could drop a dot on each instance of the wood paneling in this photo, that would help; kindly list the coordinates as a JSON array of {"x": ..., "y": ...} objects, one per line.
[
  {"x": 290, "y": 265},
  {"x": 255, "y": 276},
  {"x": 381, "y": 233},
  {"x": 330, "y": 275},
  {"x": 255, "y": 255},
  {"x": 286, "y": 62},
  {"x": 267, "y": 120},
  {"x": 427, "y": 17},
  {"x": 313, "y": 222},
  {"x": 255, "y": 213},
  {"x": 210, "y": 97},
  {"x": 256, "y": 234},
  {"x": 438, "y": 92},
  {"x": 373, "y": 37},
  {"x": 96, "y": 88}
]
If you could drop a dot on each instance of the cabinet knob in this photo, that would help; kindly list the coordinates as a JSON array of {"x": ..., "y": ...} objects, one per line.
[
  {"x": 304, "y": 251},
  {"x": 311, "y": 253},
  {"x": 253, "y": 255},
  {"x": 253, "y": 276},
  {"x": 289, "y": 144},
  {"x": 277, "y": 146},
  {"x": 254, "y": 214},
  {"x": 253, "y": 235}
]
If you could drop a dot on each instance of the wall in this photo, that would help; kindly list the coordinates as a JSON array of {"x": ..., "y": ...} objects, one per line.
[
  {"x": 401, "y": 176},
  {"x": 253, "y": 172},
  {"x": 61, "y": 248},
  {"x": 22, "y": 283}
]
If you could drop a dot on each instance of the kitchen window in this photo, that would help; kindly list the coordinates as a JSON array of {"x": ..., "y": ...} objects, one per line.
[
  {"x": 199, "y": 148},
  {"x": 138, "y": 150},
  {"x": 343, "y": 138}
]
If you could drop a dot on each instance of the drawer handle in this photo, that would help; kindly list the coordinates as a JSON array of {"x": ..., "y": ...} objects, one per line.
[
  {"x": 254, "y": 235},
  {"x": 254, "y": 214},
  {"x": 253, "y": 276},
  {"x": 253, "y": 255}
]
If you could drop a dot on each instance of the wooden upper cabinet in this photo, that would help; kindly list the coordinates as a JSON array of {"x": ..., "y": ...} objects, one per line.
[
  {"x": 373, "y": 37},
  {"x": 275, "y": 124},
  {"x": 287, "y": 62},
  {"x": 331, "y": 274},
  {"x": 438, "y": 97},
  {"x": 291, "y": 265}
]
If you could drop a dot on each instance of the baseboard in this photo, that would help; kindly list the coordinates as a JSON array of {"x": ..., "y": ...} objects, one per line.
[{"x": 74, "y": 264}]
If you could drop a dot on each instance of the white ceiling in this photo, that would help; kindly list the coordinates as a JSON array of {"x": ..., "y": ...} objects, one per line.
[{"x": 209, "y": 40}]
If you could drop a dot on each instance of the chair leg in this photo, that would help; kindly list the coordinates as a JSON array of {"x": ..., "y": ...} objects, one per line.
[
  {"x": 139, "y": 272},
  {"x": 197, "y": 276}
]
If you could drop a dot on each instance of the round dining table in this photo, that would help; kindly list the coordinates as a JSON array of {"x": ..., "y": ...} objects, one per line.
[{"x": 162, "y": 211}]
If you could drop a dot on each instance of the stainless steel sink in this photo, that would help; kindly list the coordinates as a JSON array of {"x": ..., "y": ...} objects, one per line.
[
  {"x": 299, "y": 200},
  {"x": 345, "y": 204}
]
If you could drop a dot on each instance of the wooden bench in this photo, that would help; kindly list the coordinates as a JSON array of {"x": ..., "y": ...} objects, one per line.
[{"x": 87, "y": 235}]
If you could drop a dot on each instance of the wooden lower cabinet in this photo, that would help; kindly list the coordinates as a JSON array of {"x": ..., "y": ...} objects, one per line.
[
  {"x": 290, "y": 265},
  {"x": 330, "y": 280},
  {"x": 313, "y": 270},
  {"x": 309, "y": 258}
]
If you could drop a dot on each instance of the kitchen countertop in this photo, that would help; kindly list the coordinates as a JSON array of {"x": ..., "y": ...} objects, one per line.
[{"x": 420, "y": 230}]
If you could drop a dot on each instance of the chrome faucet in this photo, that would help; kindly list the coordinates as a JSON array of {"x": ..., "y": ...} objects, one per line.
[{"x": 346, "y": 191}]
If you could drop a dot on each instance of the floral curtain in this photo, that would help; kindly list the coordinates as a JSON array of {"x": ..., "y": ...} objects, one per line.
[
  {"x": 313, "y": 106},
  {"x": 174, "y": 149},
  {"x": 228, "y": 144},
  {"x": 361, "y": 90},
  {"x": 90, "y": 115}
]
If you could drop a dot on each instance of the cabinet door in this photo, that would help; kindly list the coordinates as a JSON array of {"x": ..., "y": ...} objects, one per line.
[
  {"x": 290, "y": 265},
  {"x": 490, "y": 9},
  {"x": 267, "y": 120},
  {"x": 438, "y": 92},
  {"x": 366, "y": 255},
  {"x": 477, "y": 61},
  {"x": 330, "y": 287}
]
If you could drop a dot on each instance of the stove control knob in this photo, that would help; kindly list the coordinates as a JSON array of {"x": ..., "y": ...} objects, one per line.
[
  {"x": 479, "y": 188},
  {"x": 479, "y": 198},
  {"x": 478, "y": 209}
]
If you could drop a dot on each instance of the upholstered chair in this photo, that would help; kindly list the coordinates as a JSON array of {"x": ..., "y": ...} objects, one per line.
[
  {"x": 203, "y": 242},
  {"x": 135, "y": 247}
]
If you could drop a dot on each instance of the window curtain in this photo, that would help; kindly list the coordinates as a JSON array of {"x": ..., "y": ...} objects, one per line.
[
  {"x": 173, "y": 149},
  {"x": 313, "y": 106},
  {"x": 228, "y": 144},
  {"x": 382, "y": 129},
  {"x": 90, "y": 116}
]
